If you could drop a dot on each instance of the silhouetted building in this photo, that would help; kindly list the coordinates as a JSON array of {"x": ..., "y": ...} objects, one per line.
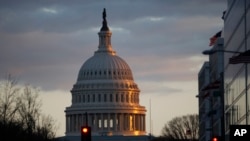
[
  {"x": 236, "y": 36},
  {"x": 232, "y": 73},
  {"x": 204, "y": 103},
  {"x": 216, "y": 113},
  {"x": 210, "y": 94}
]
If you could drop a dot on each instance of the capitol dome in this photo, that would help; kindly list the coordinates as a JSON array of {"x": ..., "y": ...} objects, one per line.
[
  {"x": 105, "y": 65},
  {"x": 105, "y": 96}
]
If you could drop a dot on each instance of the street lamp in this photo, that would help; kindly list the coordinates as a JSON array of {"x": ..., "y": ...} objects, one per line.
[{"x": 211, "y": 51}]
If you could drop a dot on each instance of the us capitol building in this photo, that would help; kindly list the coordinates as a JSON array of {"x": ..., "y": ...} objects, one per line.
[{"x": 105, "y": 97}]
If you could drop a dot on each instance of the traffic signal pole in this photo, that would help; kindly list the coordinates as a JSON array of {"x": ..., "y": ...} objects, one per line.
[
  {"x": 86, "y": 115},
  {"x": 86, "y": 131}
]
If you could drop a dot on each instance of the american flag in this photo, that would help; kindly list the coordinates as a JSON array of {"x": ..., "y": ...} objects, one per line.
[
  {"x": 213, "y": 85},
  {"x": 214, "y": 38},
  {"x": 241, "y": 58}
]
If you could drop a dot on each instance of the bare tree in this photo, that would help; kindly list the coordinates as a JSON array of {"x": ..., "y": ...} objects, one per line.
[
  {"x": 182, "y": 128},
  {"x": 29, "y": 108},
  {"x": 47, "y": 127},
  {"x": 20, "y": 112},
  {"x": 9, "y": 93}
]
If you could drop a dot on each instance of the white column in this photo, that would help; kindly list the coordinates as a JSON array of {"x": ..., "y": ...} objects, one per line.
[
  {"x": 99, "y": 123},
  {"x": 102, "y": 121},
  {"x": 81, "y": 119},
  {"x": 75, "y": 126},
  {"x": 77, "y": 123},
  {"x": 74, "y": 120},
  {"x": 67, "y": 123},
  {"x": 108, "y": 121},
  {"x": 70, "y": 123},
  {"x": 89, "y": 119},
  {"x": 134, "y": 122},
  {"x": 73, "y": 123},
  {"x": 95, "y": 123},
  {"x": 144, "y": 126},
  {"x": 121, "y": 121},
  {"x": 126, "y": 121},
  {"x": 140, "y": 122},
  {"x": 115, "y": 119}
]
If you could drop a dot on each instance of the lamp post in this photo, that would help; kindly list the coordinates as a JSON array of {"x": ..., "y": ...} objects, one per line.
[{"x": 210, "y": 52}]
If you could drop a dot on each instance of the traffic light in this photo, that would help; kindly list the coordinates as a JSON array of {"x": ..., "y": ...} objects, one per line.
[
  {"x": 216, "y": 138},
  {"x": 85, "y": 133}
]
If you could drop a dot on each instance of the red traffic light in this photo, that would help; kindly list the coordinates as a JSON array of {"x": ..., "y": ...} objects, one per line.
[
  {"x": 86, "y": 133},
  {"x": 85, "y": 130},
  {"x": 215, "y": 139}
]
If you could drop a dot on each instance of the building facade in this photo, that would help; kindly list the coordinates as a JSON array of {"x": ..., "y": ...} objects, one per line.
[
  {"x": 216, "y": 72},
  {"x": 105, "y": 95},
  {"x": 210, "y": 95},
  {"x": 236, "y": 36},
  {"x": 204, "y": 103}
]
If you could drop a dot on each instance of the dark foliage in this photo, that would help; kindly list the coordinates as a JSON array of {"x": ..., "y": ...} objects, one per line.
[
  {"x": 14, "y": 131},
  {"x": 161, "y": 138},
  {"x": 182, "y": 128},
  {"x": 20, "y": 114}
]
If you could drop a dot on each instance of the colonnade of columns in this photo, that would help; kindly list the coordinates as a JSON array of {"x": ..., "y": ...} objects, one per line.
[{"x": 106, "y": 122}]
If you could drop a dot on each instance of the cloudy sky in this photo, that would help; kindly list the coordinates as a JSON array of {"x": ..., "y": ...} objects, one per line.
[{"x": 45, "y": 42}]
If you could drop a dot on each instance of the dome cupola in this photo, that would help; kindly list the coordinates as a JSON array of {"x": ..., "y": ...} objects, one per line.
[{"x": 105, "y": 64}]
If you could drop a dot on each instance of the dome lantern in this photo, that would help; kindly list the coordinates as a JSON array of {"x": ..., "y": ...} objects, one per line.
[{"x": 105, "y": 37}]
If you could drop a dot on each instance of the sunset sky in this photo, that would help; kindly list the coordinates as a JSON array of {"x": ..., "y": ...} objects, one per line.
[{"x": 45, "y": 42}]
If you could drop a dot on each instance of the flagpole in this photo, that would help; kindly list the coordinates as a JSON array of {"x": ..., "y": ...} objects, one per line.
[{"x": 150, "y": 129}]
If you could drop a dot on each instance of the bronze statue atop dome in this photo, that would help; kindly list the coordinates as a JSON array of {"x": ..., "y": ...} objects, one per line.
[
  {"x": 104, "y": 22},
  {"x": 104, "y": 14}
]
